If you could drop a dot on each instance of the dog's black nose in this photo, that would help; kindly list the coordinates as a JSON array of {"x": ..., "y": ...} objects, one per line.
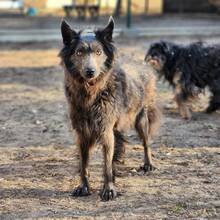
[{"x": 90, "y": 72}]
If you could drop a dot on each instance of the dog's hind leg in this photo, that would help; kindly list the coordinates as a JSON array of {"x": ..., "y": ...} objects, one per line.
[
  {"x": 119, "y": 147},
  {"x": 214, "y": 103},
  {"x": 83, "y": 189},
  {"x": 119, "y": 151},
  {"x": 147, "y": 122}
]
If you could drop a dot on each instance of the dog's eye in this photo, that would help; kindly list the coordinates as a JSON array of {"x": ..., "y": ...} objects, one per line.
[
  {"x": 79, "y": 53},
  {"x": 98, "y": 52}
]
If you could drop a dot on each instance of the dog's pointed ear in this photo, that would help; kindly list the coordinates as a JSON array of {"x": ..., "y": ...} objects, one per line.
[
  {"x": 107, "y": 32},
  {"x": 67, "y": 33}
]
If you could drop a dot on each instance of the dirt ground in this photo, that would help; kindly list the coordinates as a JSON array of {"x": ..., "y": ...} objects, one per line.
[{"x": 39, "y": 161}]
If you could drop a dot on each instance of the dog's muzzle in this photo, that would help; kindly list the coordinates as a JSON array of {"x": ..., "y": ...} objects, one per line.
[
  {"x": 90, "y": 73},
  {"x": 151, "y": 60}
]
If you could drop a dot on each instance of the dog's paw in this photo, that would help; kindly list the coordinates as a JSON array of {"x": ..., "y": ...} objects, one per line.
[
  {"x": 186, "y": 115},
  {"x": 81, "y": 191},
  {"x": 108, "y": 194},
  {"x": 147, "y": 168},
  {"x": 119, "y": 161}
]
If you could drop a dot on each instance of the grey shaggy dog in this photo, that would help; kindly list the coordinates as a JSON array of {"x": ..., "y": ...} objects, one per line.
[{"x": 104, "y": 101}]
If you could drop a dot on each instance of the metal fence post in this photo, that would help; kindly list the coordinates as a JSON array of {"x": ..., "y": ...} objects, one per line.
[{"x": 128, "y": 20}]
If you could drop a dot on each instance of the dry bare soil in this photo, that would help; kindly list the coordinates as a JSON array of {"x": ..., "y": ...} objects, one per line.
[{"x": 39, "y": 161}]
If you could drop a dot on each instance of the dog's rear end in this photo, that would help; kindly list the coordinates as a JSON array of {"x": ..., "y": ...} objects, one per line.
[
  {"x": 148, "y": 122},
  {"x": 154, "y": 110}
]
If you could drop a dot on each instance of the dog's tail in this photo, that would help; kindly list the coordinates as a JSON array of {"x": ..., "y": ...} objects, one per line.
[
  {"x": 154, "y": 112},
  {"x": 154, "y": 115}
]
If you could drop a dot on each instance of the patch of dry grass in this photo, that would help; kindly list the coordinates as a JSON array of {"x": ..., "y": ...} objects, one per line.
[{"x": 29, "y": 58}]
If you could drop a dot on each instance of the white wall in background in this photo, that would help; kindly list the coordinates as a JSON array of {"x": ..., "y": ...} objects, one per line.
[
  {"x": 57, "y": 3},
  {"x": 61, "y": 3},
  {"x": 5, "y": 4}
]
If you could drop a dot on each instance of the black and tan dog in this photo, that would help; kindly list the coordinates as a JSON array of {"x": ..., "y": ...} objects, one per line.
[
  {"x": 189, "y": 69},
  {"x": 104, "y": 101}
]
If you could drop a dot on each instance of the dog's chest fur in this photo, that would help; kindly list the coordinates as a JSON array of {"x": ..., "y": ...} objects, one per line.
[{"x": 90, "y": 108}]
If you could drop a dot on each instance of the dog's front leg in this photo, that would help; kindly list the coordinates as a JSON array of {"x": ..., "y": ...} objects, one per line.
[
  {"x": 183, "y": 107},
  {"x": 83, "y": 189},
  {"x": 108, "y": 192}
]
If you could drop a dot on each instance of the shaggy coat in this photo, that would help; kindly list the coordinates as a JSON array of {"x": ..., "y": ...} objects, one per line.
[
  {"x": 188, "y": 69},
  {"x": 104, "y": 101}
]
